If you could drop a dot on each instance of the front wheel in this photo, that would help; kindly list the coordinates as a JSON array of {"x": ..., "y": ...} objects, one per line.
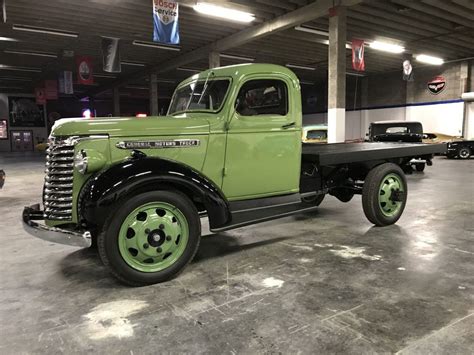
[
  {"x": 384, "y": 194},
  {"x": 150, "y": 238},
  {"x": 464, "y": 153}
]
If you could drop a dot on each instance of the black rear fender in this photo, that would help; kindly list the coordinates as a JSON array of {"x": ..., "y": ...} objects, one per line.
[{"x": 105, "y": 190}]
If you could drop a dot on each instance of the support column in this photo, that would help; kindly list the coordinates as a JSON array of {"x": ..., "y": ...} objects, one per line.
[
  {"x": 214, "y": 60},
  {"x": 337, "y": 75},
  {"x": 116, "y": 101},
  {"x": 154, "y": 95}
]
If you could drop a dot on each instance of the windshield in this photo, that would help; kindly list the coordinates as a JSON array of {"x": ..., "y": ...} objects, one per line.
[{"x": 200, "y": 96}]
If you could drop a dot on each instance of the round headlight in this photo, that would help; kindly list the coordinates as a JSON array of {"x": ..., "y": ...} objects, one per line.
[{"x": 80, "y": 162}]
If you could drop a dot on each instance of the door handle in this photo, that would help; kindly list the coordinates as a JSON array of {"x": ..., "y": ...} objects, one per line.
[{"x": 288, "y": 125}]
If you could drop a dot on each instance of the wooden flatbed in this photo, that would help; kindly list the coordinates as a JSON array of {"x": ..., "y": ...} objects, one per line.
[{"x": 346, "y": 153}]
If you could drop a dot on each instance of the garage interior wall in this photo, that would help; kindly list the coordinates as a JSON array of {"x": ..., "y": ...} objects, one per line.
[
  {"x": 387, "y": 97},
  {"x": 40, "y": 134}
]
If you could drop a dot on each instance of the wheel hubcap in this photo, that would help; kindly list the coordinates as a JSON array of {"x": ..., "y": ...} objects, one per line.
[
  {"x": 153, "y": 237},
  {"x": 391, "y": 195}
]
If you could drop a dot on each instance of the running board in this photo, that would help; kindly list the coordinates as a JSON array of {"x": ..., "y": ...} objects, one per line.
[{"x": 245, "y": 218}]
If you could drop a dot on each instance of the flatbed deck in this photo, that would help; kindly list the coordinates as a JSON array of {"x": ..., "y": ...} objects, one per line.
[{"x": 343, "y": 153}]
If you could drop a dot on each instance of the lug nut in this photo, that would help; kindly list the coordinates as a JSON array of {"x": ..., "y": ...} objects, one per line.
[
  {"x": 158, "y": 250},
  {"x": 168, "y": 238},
  {"x": 162, "y": 226},
  {"x": 145, "y": 246}
]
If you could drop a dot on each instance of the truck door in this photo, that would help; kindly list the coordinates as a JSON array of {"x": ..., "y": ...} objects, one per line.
[{"x": 263, "y": 153}]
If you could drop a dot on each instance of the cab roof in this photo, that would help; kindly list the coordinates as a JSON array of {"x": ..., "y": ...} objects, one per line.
[{"x": 239, "y": 70}]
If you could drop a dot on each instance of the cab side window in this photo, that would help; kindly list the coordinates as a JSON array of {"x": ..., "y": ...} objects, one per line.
[{"x": 263, "y": 97}]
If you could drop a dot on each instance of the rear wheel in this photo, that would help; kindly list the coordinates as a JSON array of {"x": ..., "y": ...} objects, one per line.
[
  {"x": 315, "y": 200},
  {"x": 420, "y": 167},
  {"x": 384, "y": 194},
  {"x": 150, "y": 238},
  {"x": 464, "y": 153}
]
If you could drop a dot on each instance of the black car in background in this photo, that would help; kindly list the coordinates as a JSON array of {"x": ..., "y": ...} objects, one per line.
[
  {"x": 395, "y": 131},
  {"x": 403, "y": 132},
  {"x": 460, "y": 149}
]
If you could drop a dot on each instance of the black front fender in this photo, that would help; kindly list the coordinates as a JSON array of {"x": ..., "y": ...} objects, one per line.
[{"x": 104, "y": 190}]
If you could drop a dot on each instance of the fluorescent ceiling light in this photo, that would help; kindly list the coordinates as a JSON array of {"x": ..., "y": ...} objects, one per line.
[
  {"x": 303, "y": 82},
  {"x": 37, "y": 54},
  {"x": 223, "y": 12},
  {"x": 155, "y": 45},
  {"x": 188, "y": 69},
  {"x": 12, "y": 78},
  {"x": 8, "y": 39},
  {"x": 303, "y": 67},
  {"x": 166, "y": 81},
  {"x": 236, "y": 57},
  {"x": 312, "y": 30},
  {"x": 14, "y": 68},
  {"x": 428, "y": 59},
  {"x": 107, "y": 76},
  {"x": 137, "y": 87},
  {"x": 12, "y": 87},
  {"x": 387, "y": 47},
  {"x": 136, "y": 64},
  {"x": 354, "y": 74},
  {"x": 45, "y": 30}
]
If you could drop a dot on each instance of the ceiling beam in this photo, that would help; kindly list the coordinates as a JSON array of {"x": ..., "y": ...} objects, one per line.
[{"x": 303, "y": 14}]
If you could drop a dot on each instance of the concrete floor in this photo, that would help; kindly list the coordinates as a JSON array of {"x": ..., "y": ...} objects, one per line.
[{"x": 325, "y": 282}]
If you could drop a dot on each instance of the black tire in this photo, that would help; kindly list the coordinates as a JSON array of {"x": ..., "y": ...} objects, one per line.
[
  {"x": 464, "y": 153},
  {"x": 107, "y": 241},
  {"x": 343, "y": 194},
  {"x": 420, "y": 167},
  {"x": 371, "y": 192},
  {"x": 314, "y": 200}
]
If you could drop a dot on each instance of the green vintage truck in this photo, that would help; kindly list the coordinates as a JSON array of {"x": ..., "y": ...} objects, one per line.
[{"x": 229, "y": 150}]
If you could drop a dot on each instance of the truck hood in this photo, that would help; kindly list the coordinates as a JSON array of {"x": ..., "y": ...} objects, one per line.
[{"x": 131, "y": 126}]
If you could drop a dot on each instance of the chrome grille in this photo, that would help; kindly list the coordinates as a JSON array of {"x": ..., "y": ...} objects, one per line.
[{"x": 57, "y": 194}]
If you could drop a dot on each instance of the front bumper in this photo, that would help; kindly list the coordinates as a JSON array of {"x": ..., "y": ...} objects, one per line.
[{"x": 52, "y": 234}]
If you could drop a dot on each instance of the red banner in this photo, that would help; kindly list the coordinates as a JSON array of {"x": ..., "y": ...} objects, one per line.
[
  {"x": 40, "y": 96},
  {"x": 358, "y": 62},
  {"x": 84, "y": 70},
  {"x": 51, "y": 89}
]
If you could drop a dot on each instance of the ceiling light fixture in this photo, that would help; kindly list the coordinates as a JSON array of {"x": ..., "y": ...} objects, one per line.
[
  {"x": 135, "y": 64},
  {"x": 354, "y": 74},
  {"x": 155, "y": 45},
  {"x": 137, "y": 87},
  {"x": 14, "y": 78},
  {"x": 166, "y": 81},
  {"x": 107, "y": 76},
  {"x": 37, "y": 54},
  {"x": 188, "y": 69},
  {"x": 387, "y": 47},
  {"x": 303, "y": 67},
  {"x": 8, "y": 39},
  {"x": 303, "y": 82},
  {"x": 14, "y": 68},
  {"x": 312, "y": 30},
  {"x": 428, "y": 59},
  {"x": 223, "y": 12},
  {"x": 237, "y": 57},
  {"x": 45, "y": 30}
]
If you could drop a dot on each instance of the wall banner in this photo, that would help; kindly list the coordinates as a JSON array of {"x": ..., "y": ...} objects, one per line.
[
  {"x": 407, "y": 71},
  {"x": 165, "y": 18},
  {"x": 111, "y": 55},
  {"x": 358, "y": 62},
  {"x": 40, "y": 96},
  {"x": 84, "y": 70},
  {"x": 51, "y": 89}
]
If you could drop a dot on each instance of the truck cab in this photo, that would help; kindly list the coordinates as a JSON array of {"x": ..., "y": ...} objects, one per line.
[{"x": 228, "y": 150}]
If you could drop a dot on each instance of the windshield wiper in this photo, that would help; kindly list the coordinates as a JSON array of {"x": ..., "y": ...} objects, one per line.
[{"x": 205, "y": 87}]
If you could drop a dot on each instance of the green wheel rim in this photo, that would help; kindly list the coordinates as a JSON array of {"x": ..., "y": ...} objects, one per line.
[
  {"x": 153, "y": 237},
  {"x": 391, "y": 183}
]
